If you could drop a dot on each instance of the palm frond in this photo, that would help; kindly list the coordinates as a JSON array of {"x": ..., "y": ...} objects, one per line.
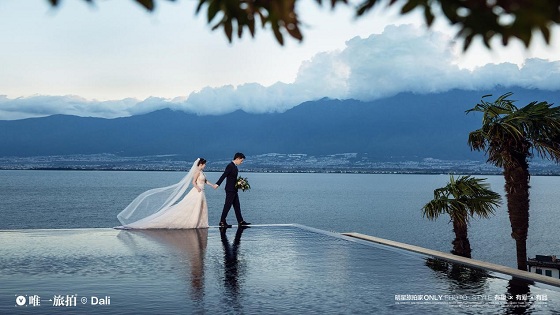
[
  {"x": 433, "y": 209},
  {"x": 508, "y": 131},
  {"x": 461, "y": 198}
]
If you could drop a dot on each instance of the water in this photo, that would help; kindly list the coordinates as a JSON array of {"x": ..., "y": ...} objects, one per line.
[
  {"x": 387, "y": 206},
  {"x": 273, "y": 269},
  {"x": 259, "y": 270}
]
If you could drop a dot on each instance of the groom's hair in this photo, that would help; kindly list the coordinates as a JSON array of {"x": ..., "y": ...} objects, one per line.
[{"x": 239, "y": 155}]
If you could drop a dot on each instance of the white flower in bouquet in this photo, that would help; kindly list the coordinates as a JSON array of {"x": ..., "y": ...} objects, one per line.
[{"x": 242, "y": 183}]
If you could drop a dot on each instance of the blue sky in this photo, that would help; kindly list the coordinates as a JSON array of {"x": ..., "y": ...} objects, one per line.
[{"x": 116, "y": 59}]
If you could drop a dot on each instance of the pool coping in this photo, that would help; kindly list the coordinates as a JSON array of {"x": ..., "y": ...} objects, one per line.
[{"x": 526, "y": 275}]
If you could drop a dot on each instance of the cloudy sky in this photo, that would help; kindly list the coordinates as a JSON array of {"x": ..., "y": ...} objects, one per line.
[{"x": 116, "y": 59}]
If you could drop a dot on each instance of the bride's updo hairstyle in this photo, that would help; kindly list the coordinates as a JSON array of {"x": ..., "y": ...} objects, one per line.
[{"x": 201, "y": 161}]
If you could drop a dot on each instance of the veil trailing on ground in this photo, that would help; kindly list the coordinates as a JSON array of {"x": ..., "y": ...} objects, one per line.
[{"x": 156, "y": 200}]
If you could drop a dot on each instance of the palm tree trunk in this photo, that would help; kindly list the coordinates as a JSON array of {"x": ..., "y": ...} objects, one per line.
[
  {"x": 517, "y": 194},
  {"x": 461, "y": 244}
]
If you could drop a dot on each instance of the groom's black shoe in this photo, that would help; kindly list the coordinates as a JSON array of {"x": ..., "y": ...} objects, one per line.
[
  {"x": 224, "y": 225},
  {"x": 243, "y": 223}
]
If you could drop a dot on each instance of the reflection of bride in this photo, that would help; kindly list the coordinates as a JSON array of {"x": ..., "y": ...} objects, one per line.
[
  {"x": 190, "y": 244},
  {"x": 158, "y": 208}
]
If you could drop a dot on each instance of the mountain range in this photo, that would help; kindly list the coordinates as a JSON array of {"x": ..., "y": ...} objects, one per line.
[{"x": 403, "y": 127}]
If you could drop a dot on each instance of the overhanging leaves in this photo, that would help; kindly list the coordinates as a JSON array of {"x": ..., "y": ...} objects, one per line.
[{"x": 505, "y": 19}]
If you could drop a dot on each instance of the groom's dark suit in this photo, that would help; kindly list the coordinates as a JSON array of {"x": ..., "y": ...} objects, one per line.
[{"x": 232, "y": 198}]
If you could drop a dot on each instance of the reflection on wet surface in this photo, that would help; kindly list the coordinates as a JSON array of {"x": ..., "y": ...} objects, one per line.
[
  {"x": 281, "y": 269},
  {"x": 190, "y": 245}
]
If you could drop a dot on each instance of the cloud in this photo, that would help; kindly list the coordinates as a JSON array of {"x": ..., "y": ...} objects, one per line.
[
  {"x": 403, "y": 58},
  {"x": 250, "y": 97},
  {"x": 42, "y": 105}
]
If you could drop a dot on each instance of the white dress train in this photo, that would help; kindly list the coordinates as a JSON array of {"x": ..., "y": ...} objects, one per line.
[{"x": 189, "y": 213}]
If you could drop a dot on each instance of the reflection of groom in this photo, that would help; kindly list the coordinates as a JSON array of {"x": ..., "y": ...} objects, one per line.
[
  {"x": 232, "y": 197},
  {"x": 232, "y": 269}
]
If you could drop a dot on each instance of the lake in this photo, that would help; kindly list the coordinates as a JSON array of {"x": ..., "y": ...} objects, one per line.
[{"x": 382, "y": 205}]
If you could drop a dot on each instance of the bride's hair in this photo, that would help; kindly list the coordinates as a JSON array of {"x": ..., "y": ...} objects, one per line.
[{"x": 201, "y": 161}]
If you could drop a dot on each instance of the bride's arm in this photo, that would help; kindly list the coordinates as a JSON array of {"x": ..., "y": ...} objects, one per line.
[
  {"x": 210, "y": 183},
  {"x": 195, "y": 177}
]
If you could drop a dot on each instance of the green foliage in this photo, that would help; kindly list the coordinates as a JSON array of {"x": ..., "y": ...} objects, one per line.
[
  {"x": 508, "y": 132},
  {"x": 507, "y": 18},
  {"x": 237, "y": 14},
  {"x": 478, "y": 18},
  {"x": 462, "y": 198}
]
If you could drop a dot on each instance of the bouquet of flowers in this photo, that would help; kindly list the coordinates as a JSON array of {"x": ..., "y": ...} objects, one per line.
[{"x": 242, "y": 183}]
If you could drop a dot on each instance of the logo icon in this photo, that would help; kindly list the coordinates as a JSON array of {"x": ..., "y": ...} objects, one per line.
[{"x": 20, "y": 300}]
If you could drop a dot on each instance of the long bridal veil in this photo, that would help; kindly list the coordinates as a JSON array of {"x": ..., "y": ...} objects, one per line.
[{"x": 156, "y": 200}]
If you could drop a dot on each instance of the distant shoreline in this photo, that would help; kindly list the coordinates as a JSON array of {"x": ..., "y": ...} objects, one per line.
[
  {"x": 344, "y": 163},
  {"x": 284, "y": 171}
]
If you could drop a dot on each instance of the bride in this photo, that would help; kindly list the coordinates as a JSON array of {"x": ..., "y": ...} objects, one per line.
[{"x": 158, "y": 208}]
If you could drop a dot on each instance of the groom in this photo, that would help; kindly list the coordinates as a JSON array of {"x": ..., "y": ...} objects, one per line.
[{"x": 232, "y": 198}]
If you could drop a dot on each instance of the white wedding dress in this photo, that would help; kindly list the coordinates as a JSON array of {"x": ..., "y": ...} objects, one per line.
[{"x": 189, "y": 213}]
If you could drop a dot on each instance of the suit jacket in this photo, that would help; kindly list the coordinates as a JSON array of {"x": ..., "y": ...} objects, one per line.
[{"x": 230, "y": 174}]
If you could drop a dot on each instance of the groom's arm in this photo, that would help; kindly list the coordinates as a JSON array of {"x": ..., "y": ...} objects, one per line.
[{"x": 224, "y": 175}]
